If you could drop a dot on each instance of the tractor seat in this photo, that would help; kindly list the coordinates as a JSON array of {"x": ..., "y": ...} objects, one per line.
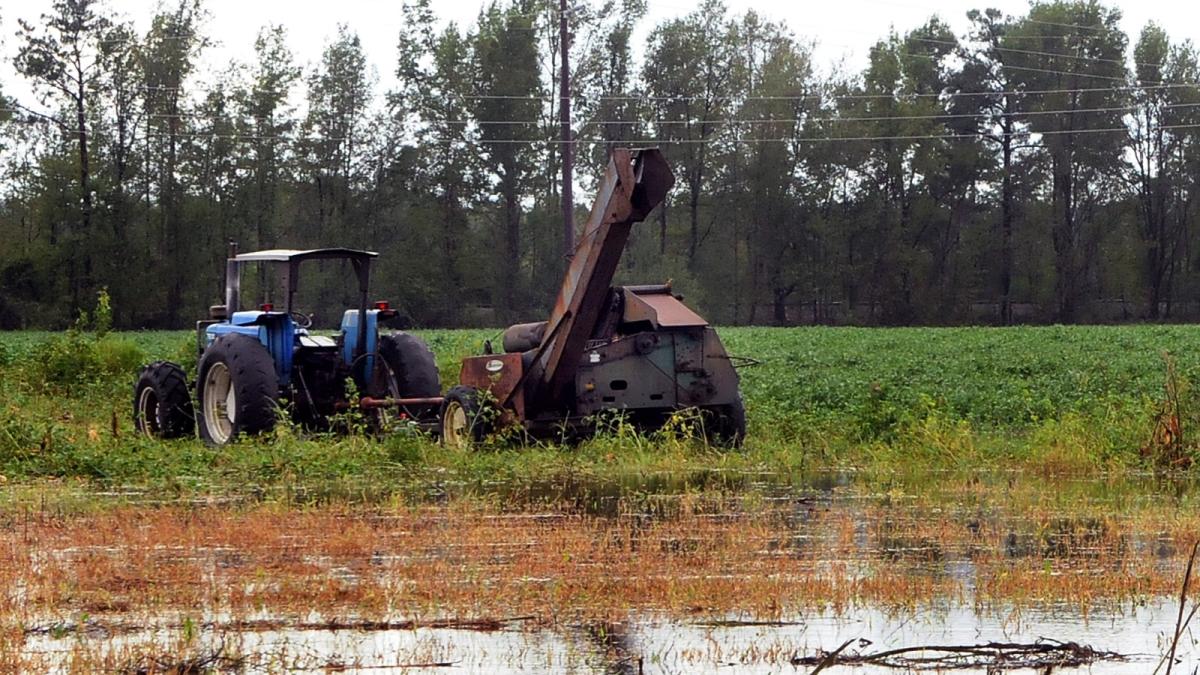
[{"x": 317, "y": 341}]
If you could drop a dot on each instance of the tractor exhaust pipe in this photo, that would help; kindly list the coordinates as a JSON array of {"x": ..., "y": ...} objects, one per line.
[{"x": 233, "y": 280}]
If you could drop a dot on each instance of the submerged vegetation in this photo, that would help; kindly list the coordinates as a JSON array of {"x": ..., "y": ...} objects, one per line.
[
  {"x": 1053, "y": 400},
  {"x": 1002, "y": 474},
  {"x": 102, "y": 589}
]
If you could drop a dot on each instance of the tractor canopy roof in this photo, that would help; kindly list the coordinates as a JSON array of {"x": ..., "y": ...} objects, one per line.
[
  {"x": 290, "y": 260},
  {"x": 296, "y": 256}
]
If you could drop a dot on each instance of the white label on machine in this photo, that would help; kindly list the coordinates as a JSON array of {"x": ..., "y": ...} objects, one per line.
[{"x": 594, "y": 357}]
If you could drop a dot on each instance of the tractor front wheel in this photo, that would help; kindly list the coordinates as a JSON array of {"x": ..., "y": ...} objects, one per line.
[
  {"x": 465, "y": 419},
  {"x": 162, "y": 404},
  {"x": 237, "y": 389}
]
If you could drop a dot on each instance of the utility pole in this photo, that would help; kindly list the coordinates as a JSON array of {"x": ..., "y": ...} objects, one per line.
[{"x": 564, "y": 114}]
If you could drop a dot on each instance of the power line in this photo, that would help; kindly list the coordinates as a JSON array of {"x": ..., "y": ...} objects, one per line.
[
  {"x": 688, "y": 141},
  {"x": 1062, "y": 25},
  {"x": 876, "y": 118},
  {"x": 880, "y": 118},
  {"x": 1010, "y": 36},
  {"x": 117, "y": 41},
  {"x": 549, "y": 12},
  {"x": 1019, "y": 19},
  {"x": 1117, "y": 78},
  {"x": 716, "y": 122},
  {"x": 1039, "y": 53},
  {"x": 1114, "y": 78},
  {"x": 830, "y": 139},
  {"x": 948, "y": 94},
  {"x": 802, "y": 97},
  {"x": 720, "y": 121}
]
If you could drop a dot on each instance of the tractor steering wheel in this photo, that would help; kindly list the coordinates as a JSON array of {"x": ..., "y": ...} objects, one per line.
[{"x": 302, "y": 320}]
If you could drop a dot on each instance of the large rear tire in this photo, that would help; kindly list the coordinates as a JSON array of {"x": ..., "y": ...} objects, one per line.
[
  {"x": 408, "y": 370},
  {"x": 465, "y": 419},
  {"x": 413, "y": 365},
  {"x": 237, "y": 389},
  {"x": 162, "y": 404}
]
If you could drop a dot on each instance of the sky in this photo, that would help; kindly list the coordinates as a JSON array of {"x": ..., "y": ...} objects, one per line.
[{"x": 843, "y": 30}]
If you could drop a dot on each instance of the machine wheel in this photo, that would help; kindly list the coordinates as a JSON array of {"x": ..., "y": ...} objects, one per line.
[
  {"x": 412, "y": 364},
  {"x": 464, "y": 419},
  {"x": 727, "y": 426},
  {"x": 236, "y": 387},
  {"x": 162, "y": 404},
  {"x": 409, "y": 371}
]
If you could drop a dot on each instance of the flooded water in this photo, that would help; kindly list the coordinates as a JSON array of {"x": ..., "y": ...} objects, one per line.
[
  {"x": 656, "y": 645},
  {"x": 704, "y": 572}
]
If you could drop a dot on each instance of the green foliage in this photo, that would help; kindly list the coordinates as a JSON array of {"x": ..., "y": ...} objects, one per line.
[
  {"x": 879, "y": 417},
  {"x": 353, "y": 420},
  {"x": 84, "y": 354},
  {"x": 76, "y": 358},
  {"x": 1056, "y": 401},
  {"x": 117, "y": 357},
  {"x": 987, "y": 177},
  {"x": 186, "y": 354},
  {"x": 873, "y": 382},
  {"x": 102, "y": 316}
]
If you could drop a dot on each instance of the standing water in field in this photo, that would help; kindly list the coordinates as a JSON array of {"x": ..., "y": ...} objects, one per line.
[
  {"x": 716, "y": 572},
  {"x": 1125, "y": 641}
]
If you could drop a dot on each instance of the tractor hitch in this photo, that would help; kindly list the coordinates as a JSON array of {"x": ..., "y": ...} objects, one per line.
[{"x": 370, "y": 403}]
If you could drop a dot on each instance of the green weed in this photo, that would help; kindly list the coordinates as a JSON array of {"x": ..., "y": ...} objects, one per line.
[{"x": 1056, "y": 401}]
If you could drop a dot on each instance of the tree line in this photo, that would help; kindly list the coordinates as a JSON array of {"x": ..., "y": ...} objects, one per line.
[{"x": 1041, "y": 167}]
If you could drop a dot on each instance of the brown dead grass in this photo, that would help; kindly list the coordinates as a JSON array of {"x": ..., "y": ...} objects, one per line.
[
  {"x": 472, "y": 560},
  {"x": 694, "y": 557},
  {"x": 424, "y": 563}
]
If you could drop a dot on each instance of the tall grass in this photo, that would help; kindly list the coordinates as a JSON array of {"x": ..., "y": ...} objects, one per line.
[{"x": 1055, "y": 401}]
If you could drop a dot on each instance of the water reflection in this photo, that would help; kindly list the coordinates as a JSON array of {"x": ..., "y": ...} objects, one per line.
[
  {"x": 953, "y": 534},
  {"x": 648, "y": 644}
]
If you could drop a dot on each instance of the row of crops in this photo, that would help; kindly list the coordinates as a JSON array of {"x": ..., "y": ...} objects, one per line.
[
  {"x": 992, "y": 377},
  {"x": 1074, "y": 397}
]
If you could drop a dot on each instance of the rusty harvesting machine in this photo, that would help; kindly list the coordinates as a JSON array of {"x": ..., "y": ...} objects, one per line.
[{"x": 634, "y": 349}]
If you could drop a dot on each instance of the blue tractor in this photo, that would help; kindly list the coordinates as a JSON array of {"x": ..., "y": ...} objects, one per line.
[{"x": 258, "y": 365}]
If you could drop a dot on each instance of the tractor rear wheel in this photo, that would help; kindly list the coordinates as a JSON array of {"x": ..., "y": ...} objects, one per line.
[
  {"x": 413, "y": 363},
  {"x": 465, "y": 420},
  {"x": 409, "y": 370},
  {"x": 726, "y": 426},
  {"x": 237, "y": 388},
  {"x": 162, "y": 404}
]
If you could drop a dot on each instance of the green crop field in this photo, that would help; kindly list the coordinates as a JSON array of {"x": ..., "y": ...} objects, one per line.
[{"x": 1051, "y": 399}]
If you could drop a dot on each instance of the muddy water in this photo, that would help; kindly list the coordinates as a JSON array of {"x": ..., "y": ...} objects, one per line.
[
  {"x": 659, "y": 645},
  {"x": 960, "y": 535}
]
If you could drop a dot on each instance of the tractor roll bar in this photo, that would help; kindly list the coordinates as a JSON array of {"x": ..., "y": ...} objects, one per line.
[{"x": 291, "y": 259}]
